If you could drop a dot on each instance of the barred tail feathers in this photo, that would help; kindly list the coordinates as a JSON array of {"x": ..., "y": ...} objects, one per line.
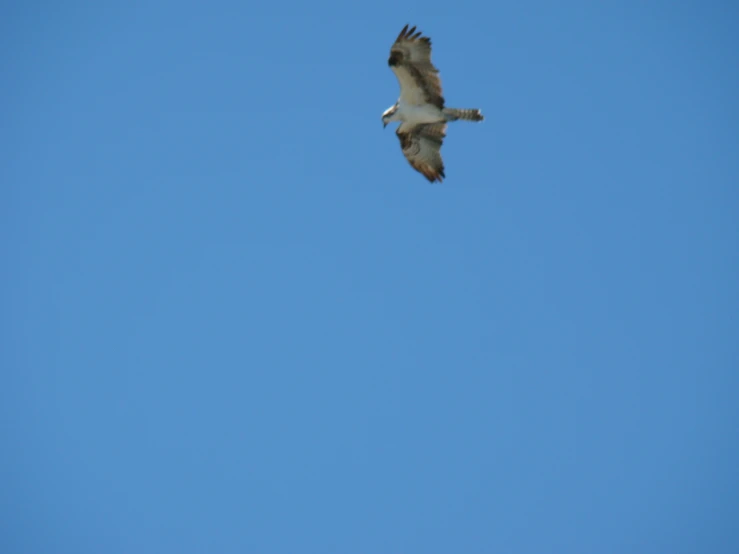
[{"x": 472, "y": 114}]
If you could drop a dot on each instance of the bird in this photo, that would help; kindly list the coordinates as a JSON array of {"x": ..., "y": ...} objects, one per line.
[{"x": 420, "y": 109}]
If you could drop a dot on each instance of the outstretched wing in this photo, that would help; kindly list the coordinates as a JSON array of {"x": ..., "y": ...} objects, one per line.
[
  {"x": 410, "y": 60},
  {"x": 421, "y": 146}
]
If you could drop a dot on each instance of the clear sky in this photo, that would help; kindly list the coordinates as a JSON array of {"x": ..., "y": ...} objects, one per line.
[{"x": 235, "y": 320}]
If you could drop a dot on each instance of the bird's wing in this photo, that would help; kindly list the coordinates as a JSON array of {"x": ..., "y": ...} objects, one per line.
[
  {"x": 410, "y": 60},
  {"x": 421, "y": 146}
]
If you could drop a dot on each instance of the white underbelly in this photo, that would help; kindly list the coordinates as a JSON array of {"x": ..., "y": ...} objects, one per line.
[{"x": 425, "y": 113}]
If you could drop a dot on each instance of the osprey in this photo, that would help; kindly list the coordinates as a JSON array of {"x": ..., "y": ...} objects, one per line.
[{"x": 420, "y": 108}]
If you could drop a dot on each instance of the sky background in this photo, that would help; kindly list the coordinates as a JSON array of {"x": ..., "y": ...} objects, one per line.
[{"x": 234, "y": 319}]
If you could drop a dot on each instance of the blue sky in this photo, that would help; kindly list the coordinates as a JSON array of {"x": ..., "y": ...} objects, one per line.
[{"x": 234, "y": 319}]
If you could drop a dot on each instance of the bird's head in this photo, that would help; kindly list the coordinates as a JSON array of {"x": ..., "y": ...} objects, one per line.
[{"x": 389, "y": 115}]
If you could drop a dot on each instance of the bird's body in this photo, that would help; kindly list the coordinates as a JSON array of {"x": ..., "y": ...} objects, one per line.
[
  {"x": 411, "y": 115},
  {"x": 420, "y": 109}
]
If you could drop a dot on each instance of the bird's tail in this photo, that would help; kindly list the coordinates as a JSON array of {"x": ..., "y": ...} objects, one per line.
[{"x": 453, "y": 114}]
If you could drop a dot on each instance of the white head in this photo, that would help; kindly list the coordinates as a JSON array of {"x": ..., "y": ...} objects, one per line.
[{"x": 391, "y": 114}]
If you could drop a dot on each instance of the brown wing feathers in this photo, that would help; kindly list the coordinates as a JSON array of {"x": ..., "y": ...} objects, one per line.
[
  {"x": 407, "y": 35},
  {"x": 422, "y": 148},
  {"x": 411, "y": 52}
]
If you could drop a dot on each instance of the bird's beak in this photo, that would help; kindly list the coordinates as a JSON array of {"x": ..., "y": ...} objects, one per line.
[{"x": 384, "y": 124}]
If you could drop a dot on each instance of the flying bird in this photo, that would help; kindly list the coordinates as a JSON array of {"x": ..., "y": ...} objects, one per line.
[{"x": 420, "y": 108}]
